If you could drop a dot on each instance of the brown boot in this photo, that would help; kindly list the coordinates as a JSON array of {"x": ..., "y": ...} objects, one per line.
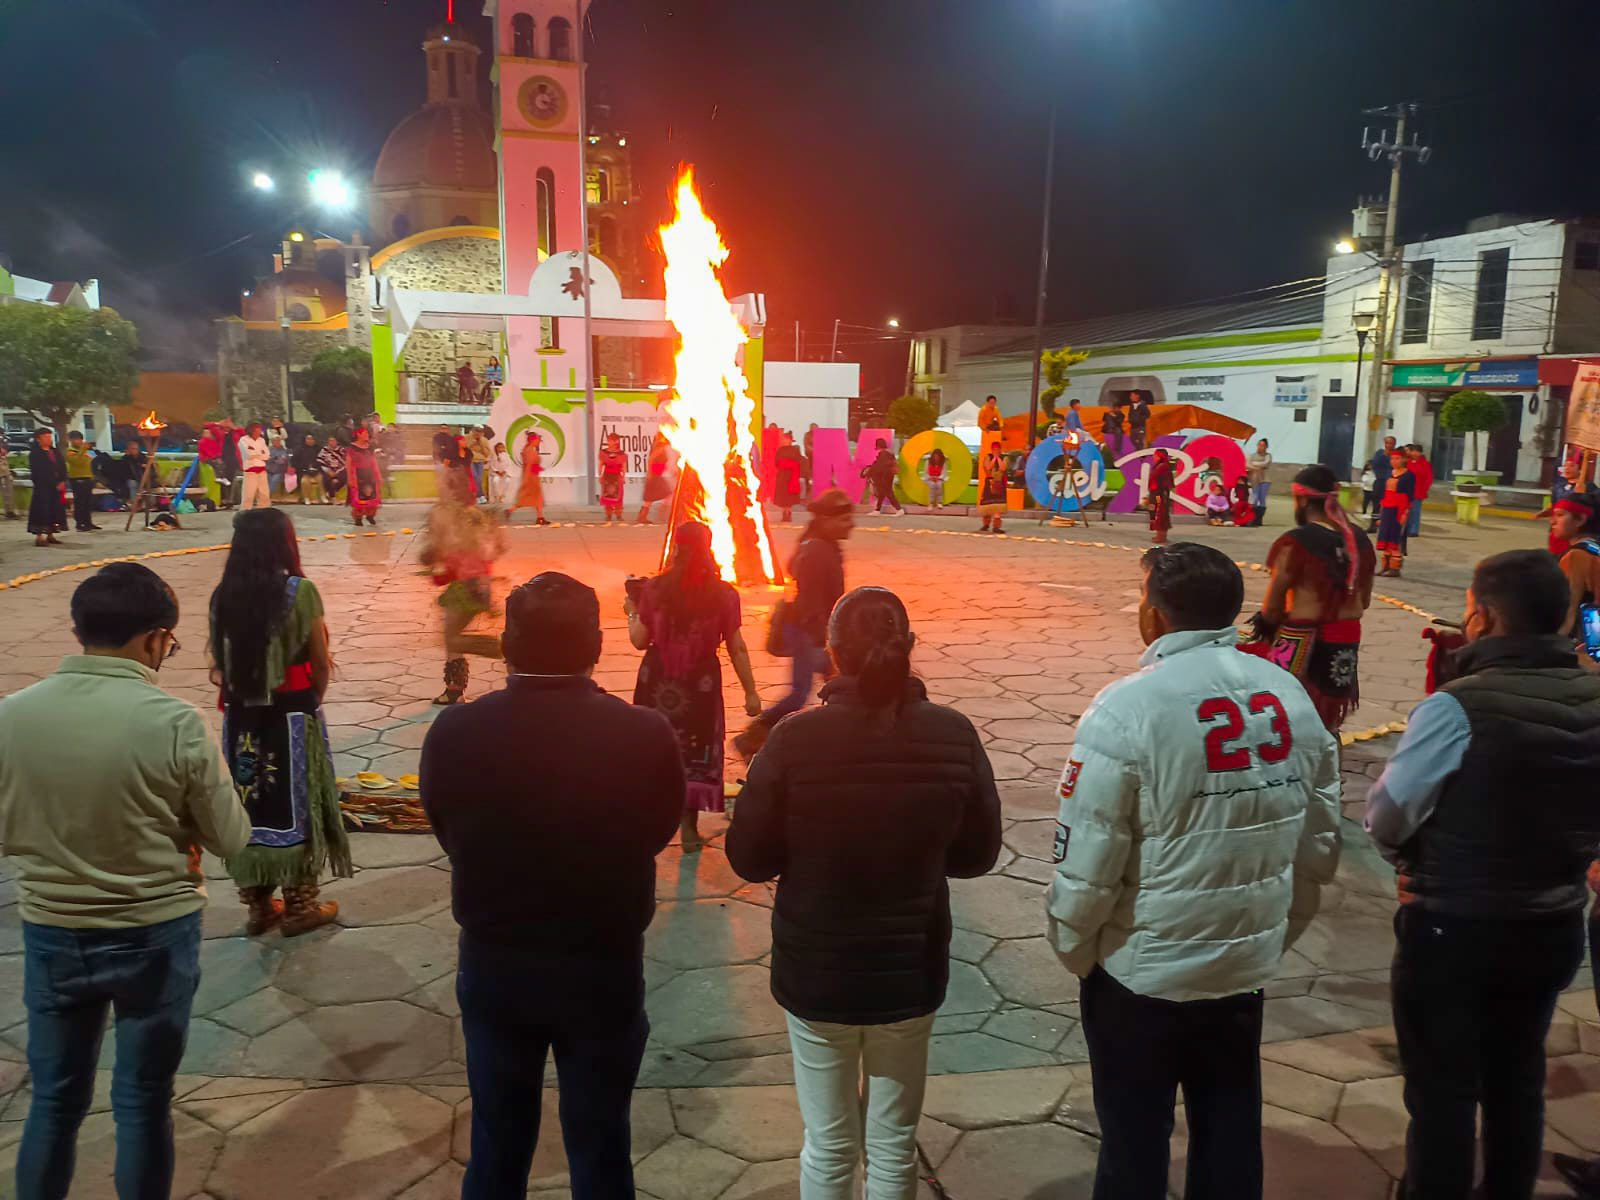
[
  {"x": 263, "y": 911},
  {"x": 303, "y": 912}
]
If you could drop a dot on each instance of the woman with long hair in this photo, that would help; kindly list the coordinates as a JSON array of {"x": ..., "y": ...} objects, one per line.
[
  {"x": 862, "y": 808},
  {"x": 271, "y": 660},
  {"x": 365, "y": 477},
  {"x": 1399, "y": 494},
  {"x": 47, "y": 510},
  {"x": 992, "y": 490},
  {"x": 679, "y": 619},
  {"x": 1158, "y": 493},
  {"x": 935, "y": 473}
]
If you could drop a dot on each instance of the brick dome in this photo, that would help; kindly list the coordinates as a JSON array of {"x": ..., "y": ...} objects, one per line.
[{"x": 440, "y": 146}]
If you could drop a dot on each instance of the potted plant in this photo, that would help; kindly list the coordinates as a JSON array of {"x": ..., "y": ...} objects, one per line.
[{"x": 1475, "y": 413}]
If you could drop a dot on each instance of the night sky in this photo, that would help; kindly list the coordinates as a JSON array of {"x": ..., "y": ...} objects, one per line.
[{"x": 865, "y": 158}]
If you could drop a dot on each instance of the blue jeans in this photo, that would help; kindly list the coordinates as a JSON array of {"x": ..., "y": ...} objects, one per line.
[
  {"x": 477, "y": 477},
  {"x": 807, "y": 661},
  {"x": 146, "y": 977},
  {"x": 1258, "y": 495},
  {"x": 1414, "y": 519},
  {"x": 516, "y": 1007}
]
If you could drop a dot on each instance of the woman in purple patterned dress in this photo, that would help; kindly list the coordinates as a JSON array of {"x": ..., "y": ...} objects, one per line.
[{"x": 679, "y": 619}]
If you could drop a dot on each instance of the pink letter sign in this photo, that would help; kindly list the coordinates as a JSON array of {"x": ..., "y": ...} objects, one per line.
[{"x": 832, "y": 466}]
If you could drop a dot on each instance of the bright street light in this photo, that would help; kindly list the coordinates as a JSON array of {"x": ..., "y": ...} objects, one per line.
[
  {"x": 330, "y": 192},
  {"x": 894, "y": 322},
  {"x": 262, "y": 182},
  {"x": 1344, "y": 246}
]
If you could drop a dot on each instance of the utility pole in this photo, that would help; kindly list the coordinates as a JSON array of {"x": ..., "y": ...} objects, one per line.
[
  {"x": 1044, "y": 272},
  {"x": 1390, "y": 262}
]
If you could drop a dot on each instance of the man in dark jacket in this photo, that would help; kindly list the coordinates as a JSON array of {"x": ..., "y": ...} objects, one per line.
[
  {"x": 1382, "y": 468},
  {"x": 552, "y": 800},
  {"x": 1488, "y": 813},
  {"x": 817, "y": 569}
]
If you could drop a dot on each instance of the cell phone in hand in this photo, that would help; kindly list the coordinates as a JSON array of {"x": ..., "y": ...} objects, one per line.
[
  {"x": 1589, "y": 622},
  {"x": 633, "y": 587}
]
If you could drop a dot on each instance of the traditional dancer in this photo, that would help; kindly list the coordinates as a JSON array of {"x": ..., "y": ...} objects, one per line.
[
  {"x": 679, "y": 620},
  {"x": 269, "y": 647},
  {"x": 992, "y": 490},
  {"x": 530, "y": 492},
  {"x": 47, "y": 510},
  {"x": 787, "y": 466},
  {"x": 1400, "y": 491},
  {"x": 1310, "y": 621},
  {"x": 365, "y": 478},
  {"x": 1158, "y": 495},
  {"x": 462, "y": 543},
  {"x": 658, "y": 483},
  {"x": 613, "y": 475}
]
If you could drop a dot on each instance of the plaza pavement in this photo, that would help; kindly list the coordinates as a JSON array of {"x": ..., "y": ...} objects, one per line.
[{"x": 331, "y": 1065}]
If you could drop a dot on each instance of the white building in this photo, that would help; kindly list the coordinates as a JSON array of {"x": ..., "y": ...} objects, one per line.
[
  {"x": 95, "y": 421},
  {"x": 1508, "y": 307}
]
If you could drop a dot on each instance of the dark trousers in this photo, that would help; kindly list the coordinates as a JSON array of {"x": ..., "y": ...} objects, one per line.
[
  {"x": 1141, "y": 1050},
  {"x": 1472, "y": 999},
  {"x": 146, "y": 978},
  {"x": 517, "y": 1007},
  {"x": 83, "y": 503}
]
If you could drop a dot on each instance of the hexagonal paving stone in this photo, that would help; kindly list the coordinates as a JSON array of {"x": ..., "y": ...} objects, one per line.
[
  {"x": 260, "y": 1011},
  {"x": 195, "y": 1144},
  {"x": 681, "y": 876},
  {"x": 752, "y": 1123},
  {"x": 684, "y": 1169},
  {"x": 959, "y": 1053},
  {"x": 969, "y": 991},
  {"x": 997, "y": 906},
  {"x": 708, "y": 933},
  {"x": 383, "y": 1040},
  {"x": 376, "y": 963},
  {"x": 230, "y": 970},
  {"x": 390, "y": 895},
  {"x": 364, "y": 1140},
  {"x": 713, "y": 1005},
  {"x": 1037, "y": 1162},
  {"x": 1033, "y": 732},
  {"x": 650, "y": 1126},
  {"x": 394, "y": 849}
]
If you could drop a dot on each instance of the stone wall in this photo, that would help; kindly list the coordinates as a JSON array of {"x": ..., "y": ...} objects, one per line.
[
  {"x": 457, "y": 264},
  {"x": 250, "y": 361}
]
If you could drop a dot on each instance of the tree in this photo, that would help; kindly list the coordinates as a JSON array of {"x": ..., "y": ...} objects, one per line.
[
  {"x": 56, "y": 361},
  {"x": 1056, "y": 364},
  {"x": 911, "y": 415},
  {"x": 338, "y": 384},
  {"x": 1474, "y": 413}
]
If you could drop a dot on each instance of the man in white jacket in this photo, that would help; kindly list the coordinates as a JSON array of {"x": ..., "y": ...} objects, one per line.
[
  {"x": 1199, "y": 819},
  {"x": 254, "y": 454}
]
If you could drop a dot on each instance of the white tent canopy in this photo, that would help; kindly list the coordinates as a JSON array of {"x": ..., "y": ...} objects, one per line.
[{"x": 962, "y": 416}]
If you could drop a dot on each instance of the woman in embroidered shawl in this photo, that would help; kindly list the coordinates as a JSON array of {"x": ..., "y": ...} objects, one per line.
[{"x": 271, "y": 660}]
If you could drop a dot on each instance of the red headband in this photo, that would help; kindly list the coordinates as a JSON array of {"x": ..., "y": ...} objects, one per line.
[{"x": 1572, "y": 506}]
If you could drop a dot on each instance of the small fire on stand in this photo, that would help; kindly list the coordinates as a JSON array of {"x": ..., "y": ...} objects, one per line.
[{"x": 151, "y": 427}]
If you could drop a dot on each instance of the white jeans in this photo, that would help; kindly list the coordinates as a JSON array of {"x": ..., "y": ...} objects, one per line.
[
  {"x": 860, "y": 1091},
  {"x": 257, "y": 490}
]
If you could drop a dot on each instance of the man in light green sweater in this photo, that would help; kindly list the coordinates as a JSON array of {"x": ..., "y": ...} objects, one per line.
[{"x": 109, "y": 788}]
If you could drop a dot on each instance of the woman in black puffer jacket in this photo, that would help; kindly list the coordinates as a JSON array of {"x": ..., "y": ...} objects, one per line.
[{"x": 863, "y": 808}]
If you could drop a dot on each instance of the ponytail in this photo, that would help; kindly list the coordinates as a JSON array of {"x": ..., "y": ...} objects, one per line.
[
  {"x": 884, "y": 673},
  {"x": 871, "y": 639}
]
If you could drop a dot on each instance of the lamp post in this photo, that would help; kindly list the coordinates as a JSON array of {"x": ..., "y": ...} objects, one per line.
[
  {"x": 1363, "y": 323},
  {"x": 1044, "y": 273}
]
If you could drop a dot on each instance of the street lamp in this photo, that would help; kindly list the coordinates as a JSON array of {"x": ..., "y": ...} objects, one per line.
[
  {"x": 894, "y": 322},
  {"x": 1344, "y": 246},
  {"x": 330, "y": 191},
  {"x": 1363, "y": 321},
  {"x": 262, "y": 182}
]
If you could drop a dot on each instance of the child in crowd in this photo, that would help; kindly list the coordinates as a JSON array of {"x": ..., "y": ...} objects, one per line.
[
  {"x": 500, "y": 475},
  {"x": 1218, "y": 506},
  {"x": 1369, "y": 485}
]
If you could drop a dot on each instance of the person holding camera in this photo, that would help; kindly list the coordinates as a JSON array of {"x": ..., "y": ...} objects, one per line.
[{"x": 679, "y": 619}]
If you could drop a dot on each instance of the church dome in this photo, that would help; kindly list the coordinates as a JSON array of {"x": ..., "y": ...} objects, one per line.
[{"x": 440, "y": 146}]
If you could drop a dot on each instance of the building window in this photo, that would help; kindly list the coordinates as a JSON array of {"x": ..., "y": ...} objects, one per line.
[
  {"x": 1489, "y": 313},
  {"x": 88, "y": 422},
  {"x": 298, "y": 312},
  {"x": 450, "y": 77},
  {"x": 544, "y": 186},
  {"x": 560, "y": 39},
  {"x": 400, "y": 226},
  {"x": 522, "y": 36},
  {"x": 598, "y": 189},
  {"x": 1418, "y": 302},
  {"x": 1300, "y": 415},
  {"x": 1586, "y": 256}
]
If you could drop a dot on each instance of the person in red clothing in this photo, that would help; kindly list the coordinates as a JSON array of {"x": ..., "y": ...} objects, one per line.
[{"x": 1422, "y": 476}]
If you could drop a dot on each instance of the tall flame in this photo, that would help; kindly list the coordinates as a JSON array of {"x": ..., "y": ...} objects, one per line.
[
  {"x": 151, "y": 424},
  {"x": 710, "y": 413}
]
